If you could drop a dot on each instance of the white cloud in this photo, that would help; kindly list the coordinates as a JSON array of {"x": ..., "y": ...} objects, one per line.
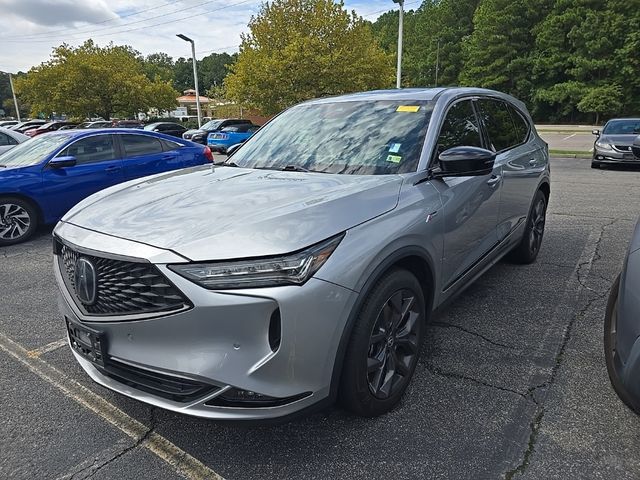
[{"x": 58, "y": 12}]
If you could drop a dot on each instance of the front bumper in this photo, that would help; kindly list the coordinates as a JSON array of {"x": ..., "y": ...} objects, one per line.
[
  {"x": 223, "y": 342},
  {"x": 614, "y": 157}
]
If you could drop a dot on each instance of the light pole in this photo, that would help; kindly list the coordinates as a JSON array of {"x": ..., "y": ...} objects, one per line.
[
  {"x": 195, "y": 74},
  {"x": 13, "y": 92},
  {"x": 400, "y": 26},
  {"x": 437, "y": 61}
]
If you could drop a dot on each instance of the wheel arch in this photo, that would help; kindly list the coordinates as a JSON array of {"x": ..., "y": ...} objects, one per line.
[
  {"x": 414, "y": 259},
  {"x": 545, "y": 187},
  {"x": 30, "y": 201}
]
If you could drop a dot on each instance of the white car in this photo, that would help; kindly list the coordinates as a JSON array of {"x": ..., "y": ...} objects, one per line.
[{"x": 9, "y": 139}]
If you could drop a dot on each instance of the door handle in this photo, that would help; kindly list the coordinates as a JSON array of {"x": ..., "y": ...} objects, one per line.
[
  {"x": 112, "y": 169},
  {"x": 494, "y": 180}
]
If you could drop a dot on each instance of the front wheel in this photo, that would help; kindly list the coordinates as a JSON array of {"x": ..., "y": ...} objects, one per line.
[
  {"x": 18, "y": 220},
  {"x": 384, "y": 346},
  {"x": 527, "y": 250}
]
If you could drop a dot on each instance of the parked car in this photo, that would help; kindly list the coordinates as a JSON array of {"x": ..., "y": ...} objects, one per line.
[
  {"x": 49, "y": 127},
  {"x": 27, "y": 125},
  {"x": 307, "y": 267},
  {"x": 8, "y": 123},
  {"x": 613, "y": 144},
  {"x": 168, "y": 128},
  {"x": 200, "y": 135},
  {"x": 43, "y": 178},
  {"x": 95, "y": 124},
  {"x": 126, "y": 124},
  {"x": 228, "y": 136},
  {"x": 9, "y": 139},
  {"x": 622, "y": 328}
]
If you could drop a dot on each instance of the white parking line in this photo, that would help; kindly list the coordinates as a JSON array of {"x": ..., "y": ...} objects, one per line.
[
  {"x": 570, "y": 136},
  {"x": 183, "y": 463},
  {"x": 49, "y": 347}
]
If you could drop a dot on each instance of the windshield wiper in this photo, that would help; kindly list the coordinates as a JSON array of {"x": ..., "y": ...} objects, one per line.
[
  {"x": 225, "y": 164},
  {"x": 3, "y": 166},
  {"x": 294, "y": 168}
]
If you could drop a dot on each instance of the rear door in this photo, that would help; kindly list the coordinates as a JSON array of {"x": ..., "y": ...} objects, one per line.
[
  {"x": 98, "y": 167},
  {"x": 145, "y": 155}
]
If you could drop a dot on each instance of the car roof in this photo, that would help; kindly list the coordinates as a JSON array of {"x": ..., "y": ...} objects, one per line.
[
  {"x": 79, "y": 132},
  {"x": 632, "y": 119}
]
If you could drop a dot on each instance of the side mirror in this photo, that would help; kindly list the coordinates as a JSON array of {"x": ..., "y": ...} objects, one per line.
[
  {"x": 233, "y": 149},
  {"x": 62, "y": 162},
  {"x": 596, "y": 132},
  {"x": 465, "y": 162}
]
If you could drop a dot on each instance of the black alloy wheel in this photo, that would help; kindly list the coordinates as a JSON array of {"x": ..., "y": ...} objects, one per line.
[{"x": 529, "y": 247}]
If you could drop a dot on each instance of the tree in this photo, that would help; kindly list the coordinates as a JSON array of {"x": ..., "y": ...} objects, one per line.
[
  {"x": 158, "y": 66},
  {"x": 301, "y": 49},
  {"x": 90, "y": 80}
]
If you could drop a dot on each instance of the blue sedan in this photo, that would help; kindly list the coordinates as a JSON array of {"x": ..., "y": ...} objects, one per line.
[
  {"x": 228, "y": 136},
  {"x": 42, "y": 178}
]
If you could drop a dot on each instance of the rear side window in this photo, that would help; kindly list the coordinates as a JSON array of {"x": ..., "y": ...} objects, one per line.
[
  {"x": 97, "y": 148},
  {"x": 136, "y": 145},
  {"x": 460, "y": 128},
  {"x": 231, "y": 129},
  {"x": 7, "y": 140},
  {"x": 167, "y": 145},
  {"x": 522, "y": 125},
  {"x": 501, "y": 129}
]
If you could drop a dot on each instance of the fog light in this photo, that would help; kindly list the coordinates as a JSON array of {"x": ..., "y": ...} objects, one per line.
[
  {"x": 235, "y": 397},
  {"x": 599, "y": 157}
]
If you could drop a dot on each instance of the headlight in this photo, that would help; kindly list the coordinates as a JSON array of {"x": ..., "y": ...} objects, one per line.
[
  {"x": 603, "y": 146},
  {"x": 291, "y": 269}
]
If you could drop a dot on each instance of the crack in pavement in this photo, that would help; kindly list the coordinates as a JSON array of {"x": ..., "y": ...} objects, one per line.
[
  {"x": 560, "y": 354},
  {"x": 471, "y": 332},
  {"x": 90, "y": 470}
]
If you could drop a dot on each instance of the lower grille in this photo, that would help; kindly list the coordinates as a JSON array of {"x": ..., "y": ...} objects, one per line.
[
  {"x": 121, "y": 287},
  {"x": 170, "y": 387},
  {"x": 623, "y": 148},
  {"x": 636, "y": 151}
]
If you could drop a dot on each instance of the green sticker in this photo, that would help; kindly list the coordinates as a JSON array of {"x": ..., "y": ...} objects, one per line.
[{"x": 394, "y": 158}]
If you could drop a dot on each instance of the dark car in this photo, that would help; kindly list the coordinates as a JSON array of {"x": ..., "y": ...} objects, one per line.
[
  {"x": 614, "y": 143},
  {"x": 622, "y": 328},
  {"x": 126, "y": 124},
  {"x": 49, "y": 127},
  {"x": 95, "y": 124},
  {"x": 42, "y": 178},
  {"x": 200, "y": 135},
  {"x": 168, "y": 128}
]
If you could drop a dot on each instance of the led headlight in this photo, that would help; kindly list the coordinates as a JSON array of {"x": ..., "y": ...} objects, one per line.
[
  {"x": 291, "y": 269},
  {"x": 603, "y": 146}
]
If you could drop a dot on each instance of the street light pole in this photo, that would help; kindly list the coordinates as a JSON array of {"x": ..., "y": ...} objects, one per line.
[
  {"x": 195, "y": 74},
  {"x": 15, "y": 101},
  {"x": 437, "y": 62},
  {"x": 400, "y": 27}
]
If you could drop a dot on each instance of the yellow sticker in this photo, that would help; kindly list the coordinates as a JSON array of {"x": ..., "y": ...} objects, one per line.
[
  {"x": 394, "y": 158},
  {"x": 408, "y": 108}
]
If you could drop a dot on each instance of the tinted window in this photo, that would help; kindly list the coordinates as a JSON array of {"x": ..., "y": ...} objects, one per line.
[
  {"x": 522, "y": 125},
  {"x": 499, "y": 124},
  {"x": 7, "y": 140},
  {"x": 91, "y": 149},
  {"x": 231, "y": 129},
  {"x": 135, "y": 145},
  {"x": 168, "y": 145},
  {"x": 622, "y": 127},
  {"x": 460, "y": 128}
]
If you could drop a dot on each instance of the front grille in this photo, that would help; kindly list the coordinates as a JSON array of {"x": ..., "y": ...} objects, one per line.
[
  {"x": 122, "y": 287},
  {"x": 166, "y": 386}
]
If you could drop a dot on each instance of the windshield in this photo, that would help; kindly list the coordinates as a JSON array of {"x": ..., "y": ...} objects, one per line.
[
  {"x": 622, "y": 127},
  {"x": 32, "y": 151},
  {"x": 356, "y": 138},
  {"x": 211, "y": 125}
]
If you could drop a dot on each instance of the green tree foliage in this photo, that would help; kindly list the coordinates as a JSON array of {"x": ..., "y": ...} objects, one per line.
[
  {"x": 301, "y": 49},
  {"x": 212, "y": 71},
  {"x": 158, "y": 66},
  {"x": 90, "y": 80}
]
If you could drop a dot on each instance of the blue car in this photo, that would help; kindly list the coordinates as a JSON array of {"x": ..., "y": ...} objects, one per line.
[
  {"x": 228, "y": 136},
  {"x": 42, "y": 178}
]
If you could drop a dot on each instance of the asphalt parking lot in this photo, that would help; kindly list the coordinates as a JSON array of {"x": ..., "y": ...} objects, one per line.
[{"x": 511, "y": 382}]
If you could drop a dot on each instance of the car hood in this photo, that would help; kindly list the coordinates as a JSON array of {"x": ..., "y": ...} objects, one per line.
[
  {"x": 618, "y": 139},
  {"x": 207, "y": 213},
  {"x": 193, "y": 132}
]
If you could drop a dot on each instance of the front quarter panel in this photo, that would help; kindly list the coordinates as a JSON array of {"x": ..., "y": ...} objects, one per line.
[{"x": 629, "y": 300}]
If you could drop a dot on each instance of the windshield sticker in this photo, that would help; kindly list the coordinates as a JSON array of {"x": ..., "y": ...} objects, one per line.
[
  {"x": 408, "y": 108},
  {"x": 394, "y": 158},
  {"x": 395, "y": 147}
]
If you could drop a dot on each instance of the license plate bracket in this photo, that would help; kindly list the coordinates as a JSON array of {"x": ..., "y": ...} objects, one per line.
[{"x": 87, "y": 342}]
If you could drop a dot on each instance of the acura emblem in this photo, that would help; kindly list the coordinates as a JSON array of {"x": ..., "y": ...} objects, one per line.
[{"x": 85, "y": 281}]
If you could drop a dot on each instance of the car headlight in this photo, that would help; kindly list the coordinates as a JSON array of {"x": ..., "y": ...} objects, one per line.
[
  {"x": 604, "y": 146},
  {"x": 291, "y": 269}
]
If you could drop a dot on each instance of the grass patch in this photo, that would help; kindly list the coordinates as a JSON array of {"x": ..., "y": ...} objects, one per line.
[{"x": 571, "y": 153}]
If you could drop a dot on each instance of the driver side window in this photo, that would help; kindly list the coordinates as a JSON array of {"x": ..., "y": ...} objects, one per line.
[
  {"x": 460, "y": 128},
  {"x": 97, "y": 148}
]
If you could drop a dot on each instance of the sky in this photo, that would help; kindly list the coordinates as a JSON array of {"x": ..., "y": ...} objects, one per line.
[{"x": 30, "y": 29}]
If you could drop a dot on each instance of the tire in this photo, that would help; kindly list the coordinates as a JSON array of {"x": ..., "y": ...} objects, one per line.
[
  {"x": 384, "y": 346},
  {"x": 18, "y": 220},
  {"x": 610, "y": 330},
  {"x": 595, "y": 165},
  {"x": 527, "y": 250}
]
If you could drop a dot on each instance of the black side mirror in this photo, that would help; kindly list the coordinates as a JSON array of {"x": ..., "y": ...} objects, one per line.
[
  {"x": 596, "y": 132},
  {"x": 62, "y": 162},
  {"x": 233, "y": 149},
  {"x": 466, "y": 161}
]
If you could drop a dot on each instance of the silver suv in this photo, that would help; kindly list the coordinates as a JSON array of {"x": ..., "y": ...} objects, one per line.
[{"x": 306, "y": 267}]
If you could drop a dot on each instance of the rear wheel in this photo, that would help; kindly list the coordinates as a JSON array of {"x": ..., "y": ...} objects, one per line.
[
  {"x": 610, "y": 334},
  {"x": 528, "y": 248},
  {"x": 385, "y": 343},
  {"x": 18, "y": 220}
]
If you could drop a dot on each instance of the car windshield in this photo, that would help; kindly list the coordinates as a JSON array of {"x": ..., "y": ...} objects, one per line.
[
  {"x": 151, "y": 126},
  {"x": 622, "y": 127},
  {"x": 212, "y": 125},
  {"x": 356, "y": 138},
  {"x": 32, "y": 151}
]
